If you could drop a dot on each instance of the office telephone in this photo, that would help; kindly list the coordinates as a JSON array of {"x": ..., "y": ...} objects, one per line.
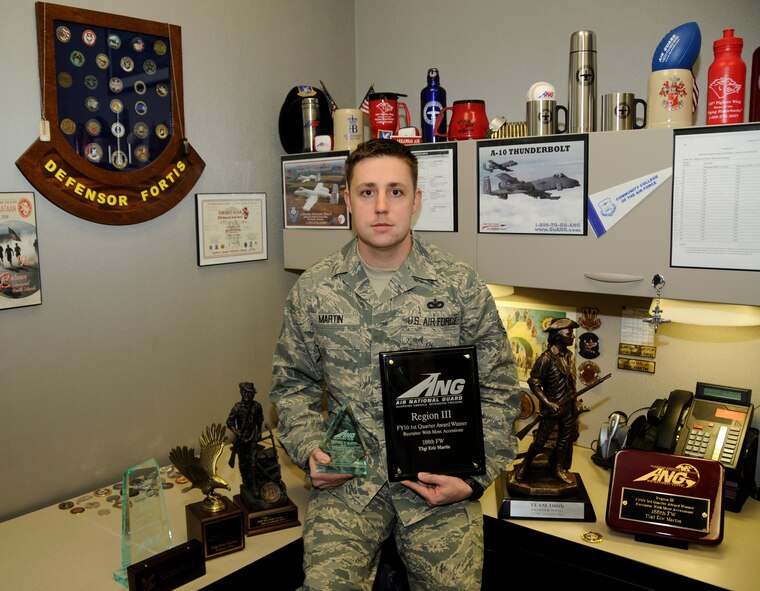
[{"x": 712, "y": 423}]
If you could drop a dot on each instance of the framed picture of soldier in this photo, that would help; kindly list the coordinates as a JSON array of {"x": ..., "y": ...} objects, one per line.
[{"x": 112, "y": 146}]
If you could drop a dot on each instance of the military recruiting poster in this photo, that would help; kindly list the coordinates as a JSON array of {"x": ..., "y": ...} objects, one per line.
[
  {"x": 431, "y": 405},
  {"x": 19, "y": 267},
  {"x": 533, "y": 187}
]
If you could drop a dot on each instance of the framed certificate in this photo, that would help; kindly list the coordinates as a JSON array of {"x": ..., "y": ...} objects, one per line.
[
  {"x": 232, "y": 227},
  {"x": 431, "y": 404}
]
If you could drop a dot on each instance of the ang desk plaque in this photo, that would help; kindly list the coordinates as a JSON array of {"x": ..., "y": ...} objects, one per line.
[
  {"x": 666, "y": 499},
  {"x": 216, "y": 522},
  {"x": 431, "y": 403}
]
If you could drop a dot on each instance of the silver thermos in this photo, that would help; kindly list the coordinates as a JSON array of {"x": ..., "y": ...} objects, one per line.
[
  {"x": 310, "y": 113},
  {"x": 581, "y": 91}
]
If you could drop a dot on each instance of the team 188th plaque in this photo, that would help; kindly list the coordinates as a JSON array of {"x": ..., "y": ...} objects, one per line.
[{"x": 431, "y": 404}]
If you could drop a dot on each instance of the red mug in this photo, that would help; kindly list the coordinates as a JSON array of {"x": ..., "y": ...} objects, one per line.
[
  {"x": 468, "y": 120},
  {"x": 383, "y": 114}
]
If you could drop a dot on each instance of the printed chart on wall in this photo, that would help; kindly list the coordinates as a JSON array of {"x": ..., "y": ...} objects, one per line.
[
  {"x": 20, "y": 267},
  {"x": 716, "y": 208},
  {"x": 533, "y": 186},
  {"x": 525, "y": 324}
]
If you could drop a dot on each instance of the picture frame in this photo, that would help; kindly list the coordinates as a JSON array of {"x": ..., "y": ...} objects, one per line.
[
  {"x": 312, "y": 191},
  {"x": 553, "y": 203},
  {"x": 525, "y": 324},
  {"x": 231, "y": 227},
  {"x": 20, "y": 284},
  {"x": 437, "y": 177}
]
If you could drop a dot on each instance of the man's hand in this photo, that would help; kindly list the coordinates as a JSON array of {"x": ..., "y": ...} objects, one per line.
[
  {"x": 438, "y": 489},
  {"x": 324, "y": 479}
]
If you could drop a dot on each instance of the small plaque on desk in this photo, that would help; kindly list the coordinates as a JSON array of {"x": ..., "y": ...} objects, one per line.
[
  {"x": 666, "y": 499},
  {"x": 220, "y": 532},
  {"x": 575, "y": 506},
  {"x": 169, "y": 569},
  {"x": 431, "y": 405}
]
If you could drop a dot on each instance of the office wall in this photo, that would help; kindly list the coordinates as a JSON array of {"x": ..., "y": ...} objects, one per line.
[{"x": 135, "y": 348}]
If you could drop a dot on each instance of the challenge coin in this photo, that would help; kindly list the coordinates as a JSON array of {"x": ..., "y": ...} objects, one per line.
[
  {"x": 592, "y": 537},
  {"x": 119, "y": 160},
  {"x": 92, "y": 505},
  {"x": 102, "y": 492},
  {"x": 159, "y": 47},
  {"x": 64, "y": 80},
  {"x": 68, "y": 126},
  {"x": 118, "y": 129},
  {"x": 181, "y": 480},
  {"x": 77, "y": 58},
  {"x": 115, "y": 84},
  {"x": 149, "y": 67},
  {"x": 104, "y": 512},
  {"x": 93, "y": 127},
  {"x": 93, "y": 152},
  {"x": 102, "y": 61},
  {"x": 141, "y": 107},
  {"x": 114, "y": 41},
  {"x": 113, "y": 498},
  {"x": 127, "y": 63},
  {"x": 138, "y": 44},
  {"x": 162, "y": 131},
  {"x": 66, "y": 505},
  {"x": 116, "y": 106},
  {"x": 89, "y": 37},
  {"x": 142, "y": 153},
  {"x": 91, "y": 82},
  {"x": 140, "y": 87},
  {"x": 63, "y": 34},
  {"x": 167, "y": 485},
  {"x": 141, "y": 130},
  {"x": 91, "y": 103},
  {"x": 162, "y": 89},
  {"x": 77, "y": 510}
]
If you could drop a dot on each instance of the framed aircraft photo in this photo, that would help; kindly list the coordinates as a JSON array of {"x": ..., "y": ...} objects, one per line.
[
  {"x": 533, "y": 185},
  {"x": 312, "y": 191}
]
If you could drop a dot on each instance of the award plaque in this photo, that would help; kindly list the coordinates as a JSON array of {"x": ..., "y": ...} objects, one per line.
[
  {"x": 344, "y": 444},
  {"x": 666, "y": 499},
  {"x": 431, "y": 405},
  {"x": 169, "y": 569},
  {"x": 574, "y": 506},
  {"x": 145, "y": 527},
  {"x": 220, "y": 532},
  {"x": 265, "y": 520}
]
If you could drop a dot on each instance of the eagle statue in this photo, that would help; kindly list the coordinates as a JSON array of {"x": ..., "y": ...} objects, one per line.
[{"x": 201, "y": 471}]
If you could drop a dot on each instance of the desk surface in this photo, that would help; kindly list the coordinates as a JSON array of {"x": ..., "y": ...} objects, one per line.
[{"x": 53, "y": 549}]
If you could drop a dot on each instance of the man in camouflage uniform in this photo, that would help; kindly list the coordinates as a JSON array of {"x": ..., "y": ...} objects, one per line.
[{"x": 373, "y": 296}]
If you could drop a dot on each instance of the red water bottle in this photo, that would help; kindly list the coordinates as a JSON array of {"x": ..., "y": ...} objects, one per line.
[{"x": 725, "y": 81}]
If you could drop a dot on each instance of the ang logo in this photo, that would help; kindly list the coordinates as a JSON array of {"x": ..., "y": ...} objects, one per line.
[
  {"x": 682, "y": 476},
  {"x": 432, "y": 386}
]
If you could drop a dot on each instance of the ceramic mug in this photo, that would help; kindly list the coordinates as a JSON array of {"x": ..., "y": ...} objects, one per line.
[
  {"x": 348, "y": 129},
  {"x": 468, "y": 120},
  {"x": 670, "y": 98}
]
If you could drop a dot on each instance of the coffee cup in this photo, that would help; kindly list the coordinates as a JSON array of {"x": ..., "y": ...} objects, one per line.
[
  {"x": 348, "y": 129},
  {"x": 670, "y": 98},
  {"x": 384, "y": 120},
  {"x": 468, "y": 120},
  {"x": 619, "y": 111},
  {"x": 542, "y": 117}
]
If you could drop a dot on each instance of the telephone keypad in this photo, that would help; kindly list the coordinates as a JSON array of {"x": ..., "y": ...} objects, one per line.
[{"x": 697, "y": 443}]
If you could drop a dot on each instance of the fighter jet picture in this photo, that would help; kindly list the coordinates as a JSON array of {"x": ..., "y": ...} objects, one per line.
[
  {"x": 305, "y": 178},
  {"x": 313, "y": 195},
  {"x": 539, "y": 188},
  {"x": 490, "y": 166}
]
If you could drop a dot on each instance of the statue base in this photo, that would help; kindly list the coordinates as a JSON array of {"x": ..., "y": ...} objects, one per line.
[
  {"x": 541, "y": 496},
  {"x": 220, "y": 532},
  {"x": 266, "y": 520}
]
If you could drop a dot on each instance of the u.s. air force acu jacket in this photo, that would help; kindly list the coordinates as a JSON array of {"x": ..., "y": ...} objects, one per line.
[{"x": 334, "y": 327}]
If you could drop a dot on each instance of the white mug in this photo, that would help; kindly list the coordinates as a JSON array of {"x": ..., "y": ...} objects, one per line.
[
  {"x": 348, "y": 129},
  {"x": 670, "y": 96}
]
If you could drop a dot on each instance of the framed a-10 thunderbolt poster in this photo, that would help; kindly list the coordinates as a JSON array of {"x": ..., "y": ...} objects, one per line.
[{"x": 112, "y": 144}]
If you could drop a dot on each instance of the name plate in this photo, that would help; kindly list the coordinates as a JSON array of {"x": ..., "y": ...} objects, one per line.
[
  {"x": 431, "y": 404},
  {"x": 571, "y": 507},
  {"x": 655, "y": 495}
]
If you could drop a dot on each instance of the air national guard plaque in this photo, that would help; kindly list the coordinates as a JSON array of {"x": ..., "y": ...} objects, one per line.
[{"x": 431, "y": 404}]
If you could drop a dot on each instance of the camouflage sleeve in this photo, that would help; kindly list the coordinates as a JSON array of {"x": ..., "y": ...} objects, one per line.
[
  {"x": 499, "y": 385},
  {"x": 297, "y": 380}
]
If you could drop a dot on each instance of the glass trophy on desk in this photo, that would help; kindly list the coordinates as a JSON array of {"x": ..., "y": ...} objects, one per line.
[
  {"x": 344, "y": 444},
  {"x": 145, "y": 528}
]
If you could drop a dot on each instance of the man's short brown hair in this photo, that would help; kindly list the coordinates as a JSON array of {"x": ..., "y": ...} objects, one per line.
[{"x": 378, "y": 148}]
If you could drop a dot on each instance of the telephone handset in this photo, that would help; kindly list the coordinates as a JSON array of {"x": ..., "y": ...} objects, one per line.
[{"x": 672, "y": 420}]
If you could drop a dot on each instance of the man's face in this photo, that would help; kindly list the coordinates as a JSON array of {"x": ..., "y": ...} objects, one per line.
[
  {"x": 566, "y": 336},
  {"x": 382, "y": 200}
]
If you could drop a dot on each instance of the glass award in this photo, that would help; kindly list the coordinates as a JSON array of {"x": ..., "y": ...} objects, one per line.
[
  {"x": 344, "y": 444},
  {"x": 145, "y": 529}
]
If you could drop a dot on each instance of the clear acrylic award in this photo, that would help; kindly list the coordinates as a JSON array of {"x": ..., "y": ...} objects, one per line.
[
  {"x": 344, "y": 444},
  {"x": 145, "y": 522}
]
